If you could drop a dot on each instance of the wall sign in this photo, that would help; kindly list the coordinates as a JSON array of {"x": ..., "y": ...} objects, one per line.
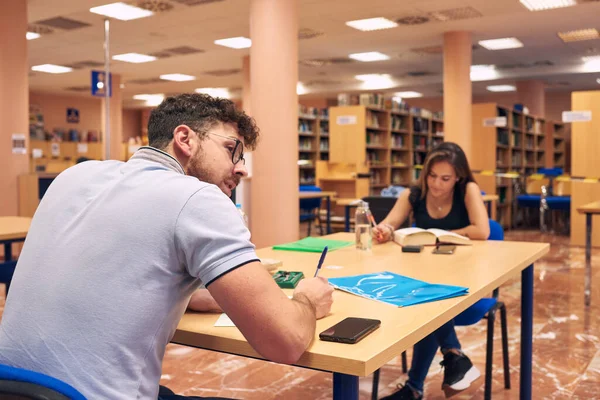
[
  {"x": 99, "y": 84},
  {"x": 19, "y": 145},
  {"x": 500, "y": 122},
  {"x": 346, "y": 120},
  {"x": 72, "y": 115},
  {"x": 576, "y": 116}
]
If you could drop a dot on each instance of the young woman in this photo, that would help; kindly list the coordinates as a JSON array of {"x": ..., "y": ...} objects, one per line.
[{"x": 446, "y": 197}]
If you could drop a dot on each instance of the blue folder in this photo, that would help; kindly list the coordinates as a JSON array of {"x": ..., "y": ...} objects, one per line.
[{"x": 396, "y": 289}]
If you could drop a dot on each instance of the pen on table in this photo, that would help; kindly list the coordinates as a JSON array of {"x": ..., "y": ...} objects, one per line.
[
  {"x": 323, "y": 254},
  {"x": 375, "y": 226}
]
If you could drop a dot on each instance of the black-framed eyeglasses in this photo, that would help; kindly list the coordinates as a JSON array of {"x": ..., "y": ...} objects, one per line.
[{"x": 237, "y": 154}]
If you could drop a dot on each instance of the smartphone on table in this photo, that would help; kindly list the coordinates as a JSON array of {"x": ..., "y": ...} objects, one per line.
[
  {"x": 350, "y": 330},
  {"x": 444, "y": 249}
]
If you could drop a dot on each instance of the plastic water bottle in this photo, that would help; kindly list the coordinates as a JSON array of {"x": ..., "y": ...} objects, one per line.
[
  {"x": 362, "y": 226},
  {"x": 242, "y": 213}
]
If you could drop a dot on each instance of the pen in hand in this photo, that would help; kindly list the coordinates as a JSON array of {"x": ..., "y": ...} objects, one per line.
[
  {"x": 323, "y": 254},
  {"x": 379, "y": 237}
]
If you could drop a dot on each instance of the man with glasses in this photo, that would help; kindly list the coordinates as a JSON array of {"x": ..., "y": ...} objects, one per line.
[{"x": 116, "y": 249}]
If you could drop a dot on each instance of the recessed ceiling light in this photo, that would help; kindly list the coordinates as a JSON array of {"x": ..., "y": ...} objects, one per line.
[
  {"x": 134, "y": 58},
  {"x": 122, "y": 11},
  {"x": 369, "y": 56},
  {"x": 239, "y": 42},
  {"x": 51, "y": 68},
  {"x": 578, "y": 35},
  {"x": 538, "y": 5},
  {"x": 501, "y": 44},
  {"x": 372, "y": 24},
  {"x": 483, "y": 72},
  {"x": 32, "y": 35},
  {"x": 215, "y": 92},
  {"x": 300, "y": 88},
  {"x": 150, "y": 99},
  {"x": 408, "y": 95},
  {"x": 177, "y": 77},
  {"x": 501, "y": 88},
  {"x": 591, "y": 64},
  {"x": 375, "y": 81}
]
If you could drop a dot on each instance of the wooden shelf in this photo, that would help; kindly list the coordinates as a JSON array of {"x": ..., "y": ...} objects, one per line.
[
  {"x": 307, "y": 134},
  {"x": 378, "y": 166},
  {"x": 375, "y": 128},
  {"x": 400, "y": 131},
  {"x": 502, "y": 146},
  {"x": 400, "y": 149},
  {"x": 307, "y": 151},
  {"x": 378, "y": 185},
  {"x": 376, "y": 147},
  {"x": 398, "y": 166}
]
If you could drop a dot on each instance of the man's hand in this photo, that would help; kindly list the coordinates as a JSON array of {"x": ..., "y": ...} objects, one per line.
[{"x": 317, "y": 292}]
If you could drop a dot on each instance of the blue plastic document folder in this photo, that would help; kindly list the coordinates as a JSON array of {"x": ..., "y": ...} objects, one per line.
[{"x": 396, "y": 289}]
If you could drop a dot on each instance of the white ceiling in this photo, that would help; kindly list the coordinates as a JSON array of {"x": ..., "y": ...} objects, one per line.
[{"x": 199, "y": 26}]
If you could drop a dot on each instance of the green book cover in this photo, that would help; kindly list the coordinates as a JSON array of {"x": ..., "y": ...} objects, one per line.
[{"x": 313, "y": 245}]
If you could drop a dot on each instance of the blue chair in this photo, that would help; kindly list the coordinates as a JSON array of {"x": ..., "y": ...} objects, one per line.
[
  {"x": 536, "y": 187},
  {"x": 559, "y": 201},
  {"x": 309, "y": 208},
  {"x": 484, "y": 308},
  {"x": 24, "y": 384}
]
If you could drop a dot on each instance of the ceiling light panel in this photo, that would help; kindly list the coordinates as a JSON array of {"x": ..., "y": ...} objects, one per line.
[
  {"x": 121, "y": 11},
  {"x": 369, "y": 56},
  {"x": 408, "y": 95},
  {"x": 539, "y": 5},
  {"x": 372, "y": 24},
  {"x": 51, "y": 69},
  {"x": 177, "y": 77},
  {"x": 32, "y": 35},
  {"x": 135, "y": 58},
  {"x": 239, "y": 42},
  {"x": 579, "y": 35},
  {"x": 502, "y": 88},
  {"x": 501, "y": 44},
  {"x": 483, "y": 72},
  {"x": 215, "y": 92}
]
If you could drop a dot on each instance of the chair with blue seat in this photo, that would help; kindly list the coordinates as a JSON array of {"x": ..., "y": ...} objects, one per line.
[
  {"x": 536, "y": 186},
  {"x": 485, "y": 308},
  {"x": 560, "y": 199},
  {"x": 309, "y": 208},
  {"x": 23, "y": 384}
]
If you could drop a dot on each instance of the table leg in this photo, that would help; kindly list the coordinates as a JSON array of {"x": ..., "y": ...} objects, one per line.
[
  {"x": 588, "y": 259},
  {"x": 345, "y": 387},
  {"x": 7, "y": 251},
  {"x": 347, "y": 218},
  {"x": 526, "y": 332},
  {"x": 328, "y": 215}
]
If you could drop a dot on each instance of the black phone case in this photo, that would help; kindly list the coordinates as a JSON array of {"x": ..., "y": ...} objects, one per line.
[
  {"x": 412, "y": 249},
  {"x": 355, "y": 337}
]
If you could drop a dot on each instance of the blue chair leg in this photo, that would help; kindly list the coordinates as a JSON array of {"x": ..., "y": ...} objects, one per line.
[
  {"x": 491, "y": 317},
  {"x": 404, "y": 368},
  {"x": 309, "y": 224},
  {"x": 504, "y": 327},
  {"x": 375, "y": 385}
]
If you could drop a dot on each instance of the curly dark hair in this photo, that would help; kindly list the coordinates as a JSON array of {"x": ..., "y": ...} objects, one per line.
[{"x": 200, "y": 112}]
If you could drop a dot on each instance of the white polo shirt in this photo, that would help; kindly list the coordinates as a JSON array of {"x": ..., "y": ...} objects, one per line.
[{"x": 113, "y": 254}]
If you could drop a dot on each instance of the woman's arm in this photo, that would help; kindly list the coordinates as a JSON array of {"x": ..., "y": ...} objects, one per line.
[
  {"x": 385, "y": 229},
  {"x": 480, "y": 226}
]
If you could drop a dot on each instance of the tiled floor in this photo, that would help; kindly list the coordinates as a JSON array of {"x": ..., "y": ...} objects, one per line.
[{"x": 566, "y": 347}]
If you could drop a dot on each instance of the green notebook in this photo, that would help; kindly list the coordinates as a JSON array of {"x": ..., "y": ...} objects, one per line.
[{"x": 313, "y": 245}]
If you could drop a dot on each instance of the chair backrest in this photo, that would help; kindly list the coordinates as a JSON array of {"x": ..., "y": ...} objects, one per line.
[
  {"x": 561, "y": 187},
  {"x": 496, "y": 231},
  {"x": 25, "y": 384},
  {"x": 308, "y": 205},
  {"x": 535, "y": 183},
  {"x": 380, "y": 206},
  {"x": 551, "y": 171}
]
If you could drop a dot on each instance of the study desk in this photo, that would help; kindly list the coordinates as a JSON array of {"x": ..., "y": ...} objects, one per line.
[
  {"x": 589, "y": 210},
  {"x": 481, "y": 267},
  {"x": 349, "y": 203},
  {"x": 320, "y": 195},
  {"x": 12, "y": 229}
]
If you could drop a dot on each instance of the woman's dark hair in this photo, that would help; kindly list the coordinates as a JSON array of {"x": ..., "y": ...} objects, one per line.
[
  {"x": 200, "y": 112},
  {"x": 455, "y": 156}
]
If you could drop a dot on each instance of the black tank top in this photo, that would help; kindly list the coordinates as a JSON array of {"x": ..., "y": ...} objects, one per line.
[{"x": 457, "y": 218}]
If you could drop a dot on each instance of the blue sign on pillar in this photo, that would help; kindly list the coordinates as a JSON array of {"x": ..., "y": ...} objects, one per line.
[{"x": 99, "y": 84}]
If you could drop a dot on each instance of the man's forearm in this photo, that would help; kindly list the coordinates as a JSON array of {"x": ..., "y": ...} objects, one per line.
[{"x": 203, "y": 301}]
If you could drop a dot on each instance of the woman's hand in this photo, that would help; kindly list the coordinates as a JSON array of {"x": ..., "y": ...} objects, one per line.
[{"x": 382, "y": 233}]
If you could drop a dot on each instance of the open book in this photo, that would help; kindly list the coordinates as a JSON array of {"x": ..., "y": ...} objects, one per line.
[{"x": 418, "y": 236}]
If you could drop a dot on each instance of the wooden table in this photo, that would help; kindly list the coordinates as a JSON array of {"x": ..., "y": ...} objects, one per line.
[
  {"x": 320, "y": 195},
  {"x": 12, "y": 229},
  {"x": 589, "y": 210},
  {"x": 481, "y": 267}
]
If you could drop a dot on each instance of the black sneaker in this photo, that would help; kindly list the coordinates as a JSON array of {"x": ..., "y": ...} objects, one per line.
[
  {"x": 459, "y": 372},
  {"x": 405, "y": 393}
]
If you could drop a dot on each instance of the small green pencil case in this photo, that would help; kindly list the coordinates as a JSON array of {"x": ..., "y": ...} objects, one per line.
[{"x": 288, "y": 279}]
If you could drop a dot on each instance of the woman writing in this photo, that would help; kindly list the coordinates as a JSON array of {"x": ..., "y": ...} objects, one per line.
[{"x": 446, "y": 197}]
